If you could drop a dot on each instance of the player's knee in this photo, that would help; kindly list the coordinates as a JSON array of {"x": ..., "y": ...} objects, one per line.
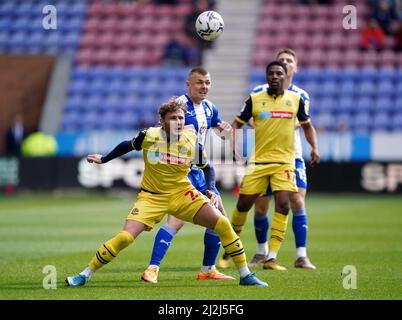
[
  {"x": 261, "y": 210},
  {"x": 175, "y": 224},
  {"x": 282, "y": 207},
  {"x": 297, "y": 203},
  {"x": 244, "y": 205}
]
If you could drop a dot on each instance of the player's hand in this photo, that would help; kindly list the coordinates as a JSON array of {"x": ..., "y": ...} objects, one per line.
[
  {"x": 214, "y": 198},
  {"x": 94, "y": 158},
  {"x": 225, "y": 130},
  {"x": 315, "y": 158}
]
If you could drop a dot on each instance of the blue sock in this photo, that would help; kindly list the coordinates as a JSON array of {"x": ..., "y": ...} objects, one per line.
[
  {"x": 261, "y": 227},
  {"x": 161, "y": 244},
  {"x": 212, "y": 245},
  {"x": 299, "y": 224}
]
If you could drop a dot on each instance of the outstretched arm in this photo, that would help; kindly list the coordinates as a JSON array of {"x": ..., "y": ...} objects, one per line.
[
  {"x": 121, "y": 149},
  {"x": 311, "y": 137}
]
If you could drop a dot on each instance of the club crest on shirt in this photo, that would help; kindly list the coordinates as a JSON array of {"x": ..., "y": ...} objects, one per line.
[
  {"x": 288, "y": 103},
  {"x": 208, "y": 111}
]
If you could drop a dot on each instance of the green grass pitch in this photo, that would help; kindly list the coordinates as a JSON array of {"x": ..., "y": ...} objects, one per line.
[{"x": 363, "y": 231}]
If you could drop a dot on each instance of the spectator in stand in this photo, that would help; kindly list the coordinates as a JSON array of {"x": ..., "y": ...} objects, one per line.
[
  {"x": 384, "y": 11},
  {"x": 398, "y": 7},
  {"x": 372, "y": 36},
  {"x": 194, "y": 57},
  {"x": 398, "y": 37},
  {"x": 15, "y": 135},
  {"x": 175, "y": 52},
  {"x": 199, "y": 7}
]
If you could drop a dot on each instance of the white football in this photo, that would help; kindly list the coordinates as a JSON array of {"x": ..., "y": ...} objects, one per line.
[{"x": 209, "y": 25}]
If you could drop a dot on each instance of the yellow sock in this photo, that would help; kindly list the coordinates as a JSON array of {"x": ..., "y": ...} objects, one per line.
[
  {"x": 239, "y": 219},
  {"x": 108, "y": 251},
  {"x": 278, "y": 229},
  {"x": 230, "y": 242}
]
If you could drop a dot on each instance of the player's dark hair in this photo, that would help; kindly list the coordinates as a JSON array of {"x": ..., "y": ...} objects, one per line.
[
  {"x": 276, "y": 63},
  {"x": 287, "y": 51},
  {"x": 199, "y": 70},
  {"x": 172, "y": 105}
]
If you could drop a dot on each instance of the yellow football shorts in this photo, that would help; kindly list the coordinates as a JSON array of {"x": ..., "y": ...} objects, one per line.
[
  {"x": 281, "y": 177},
  {"x": 150, "y": 208}
]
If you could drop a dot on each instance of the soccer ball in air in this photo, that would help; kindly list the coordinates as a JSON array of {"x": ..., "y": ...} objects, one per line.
[{"x": 209, "y": 25}]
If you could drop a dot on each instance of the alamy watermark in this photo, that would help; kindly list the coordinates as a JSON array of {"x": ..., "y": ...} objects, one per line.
[
  {"x": 50, "y": 280},
  {"x": 350, "y": 20},
  {"x": 49, "y": 21},
  {"x": 349, "y": 274}
]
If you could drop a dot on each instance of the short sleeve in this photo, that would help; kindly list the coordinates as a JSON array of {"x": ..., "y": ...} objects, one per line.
[
  {"x": 246, "y": 112},
  {"x": 138, "y": 140}
]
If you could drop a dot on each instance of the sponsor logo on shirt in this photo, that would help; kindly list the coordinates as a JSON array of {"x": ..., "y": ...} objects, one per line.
[{"x": 276, "y": 115}]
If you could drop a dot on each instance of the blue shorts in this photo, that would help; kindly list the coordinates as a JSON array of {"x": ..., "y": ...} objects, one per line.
[
  {"x": 197, "y": 179},
  {"x": 301, "y": 176}
]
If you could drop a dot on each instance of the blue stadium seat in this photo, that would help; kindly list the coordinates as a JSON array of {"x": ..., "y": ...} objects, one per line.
[
  {"x": 80, "y": 73},
  {"x": 398, "y": 89},
  {"x": 98, "y": 86},
  {"x": 258, "y": 75},
  {"x": 366, "y": 88},
  {"x": 112, "y": 102},
  {"x": 20, "y": 24},
  {"x": 387, "y": 74},
  {"x": 396, "y": 122},
  {"x": 330, "y": 74},
  {"x": 117, "y": 86},
  {"x": 78, "y": 87},
  {"x": 349, "y": 75},
  {"x": 383, "y": 104},
  {"x": 362, "y": 122},
  {"x": 71, "y": 121},
  {"x": 385, "y": 87},
  {"x": 94, "y": 103},
  {"x": 369, "y": 74},
  {"x": 346, "y": 104},
  {"x": 325, "y": 121},
  {"x": 364, "y": 104},
  {"x": 325, "y": 104},
  {"x": 90, "y": 120},
  {"x": 343, "y": 122},
  {"x": 347, "y": 87},
  {"x": 381, "y": 121},
  {"x": 329, "y": 88}
]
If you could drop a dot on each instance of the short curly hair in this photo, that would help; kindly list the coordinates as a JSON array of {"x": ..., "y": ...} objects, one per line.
[{"x": 173, "y": 104}]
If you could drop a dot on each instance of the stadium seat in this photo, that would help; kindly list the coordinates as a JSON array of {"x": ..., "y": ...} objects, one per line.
[
  {"x": 362, "y": 122},
  {"x": 396, "y": 122},
  {"x": 381, "y": 121}
]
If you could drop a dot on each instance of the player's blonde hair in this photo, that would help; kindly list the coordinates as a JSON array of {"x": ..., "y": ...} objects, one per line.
[{"x": 172, "y": 105}]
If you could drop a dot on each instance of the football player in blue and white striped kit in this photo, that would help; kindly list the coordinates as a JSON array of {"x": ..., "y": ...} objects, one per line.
[
  {"x": 202, "y": 114},
  {"x": 267, "y": 253}
]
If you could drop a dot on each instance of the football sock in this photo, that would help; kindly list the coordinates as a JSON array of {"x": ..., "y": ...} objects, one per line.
[
  {"x": 238, "y": 220},
  {"x": 299, "y": 224},
  {"x": 278, "y": 230},
  {"x": 161, "y": 244},
  {"x": 109, "y": 250},
  {"x": 212, "y": 245},
  {"x": 231, "y": 242},
  {"x": 261, "y": 227},
  {"x": 87, "y": 272}
]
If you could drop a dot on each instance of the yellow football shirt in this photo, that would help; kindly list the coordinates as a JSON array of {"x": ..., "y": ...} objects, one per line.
[
  {"x": 274, "y": 120},
  {"x": 167, "y": 163}
]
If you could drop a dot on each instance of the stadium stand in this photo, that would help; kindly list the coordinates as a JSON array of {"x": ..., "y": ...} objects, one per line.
[
  {"x": 350, "y": 89},
  {"x": 117, "y": 49}
]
